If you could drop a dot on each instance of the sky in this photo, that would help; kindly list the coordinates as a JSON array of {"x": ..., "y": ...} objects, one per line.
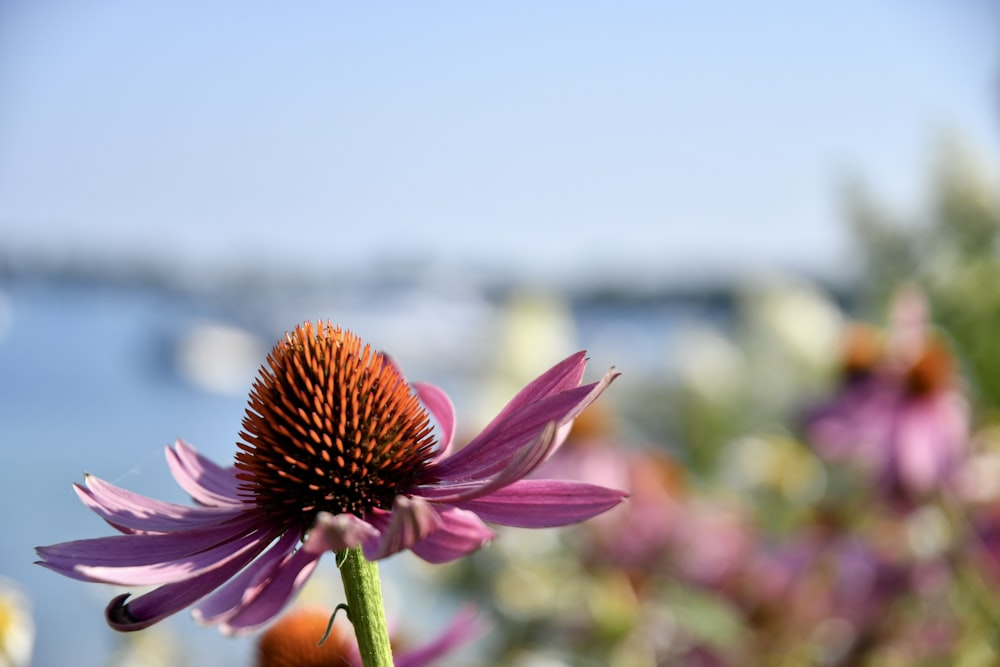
[{"x": 545, "y": 138}]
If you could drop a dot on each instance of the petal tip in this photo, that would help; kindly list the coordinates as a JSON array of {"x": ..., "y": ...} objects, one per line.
[{"x": 120, "y": 618}]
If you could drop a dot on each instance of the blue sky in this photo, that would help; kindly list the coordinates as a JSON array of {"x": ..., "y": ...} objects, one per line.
[{"x": 551, "y": 137}]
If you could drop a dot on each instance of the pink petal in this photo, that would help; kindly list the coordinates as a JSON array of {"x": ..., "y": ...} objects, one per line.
[
  {"x": 410, "y": 520},
  {"x": 439, "y": 404},
  {"x": 218, "y": 479},
  {"x": 132, "y": 512},
  {"x": 206, "y": 482},
  {"x": 147, "y": 609},
  {"x": 490, "y": 451},
  {"x": 461, "y": 532},
  {"x": 225, "y": 601},
  {"x": 144, "y": 549},
  {"x": 273, "y": 593},
  {"x": 565, "y": 375},
  {"x": 335, "y": 532},
  {"x": 543, "y": 503},
  {"x": 151, "y": 575},
  {"x": 523, "y": 463}
]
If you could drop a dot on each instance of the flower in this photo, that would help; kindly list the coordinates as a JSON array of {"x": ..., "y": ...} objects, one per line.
[
  {"x": 899, "y": 412},
  {"x": 337, "y": 451},
  {"x": 17, "y": 629},
  {"x": 293, "y": 641}
]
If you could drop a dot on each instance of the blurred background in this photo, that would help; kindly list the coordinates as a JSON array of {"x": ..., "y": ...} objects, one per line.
[{"x": 699, "y": 194}]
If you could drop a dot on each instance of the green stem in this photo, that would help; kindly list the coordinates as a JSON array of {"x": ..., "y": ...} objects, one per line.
[{"x": 364, "y": 607}]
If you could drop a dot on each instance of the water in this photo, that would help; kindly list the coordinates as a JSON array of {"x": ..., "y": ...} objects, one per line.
[
  {"x": 89, "y": 382},
  {"x": 84, "y": 388}
]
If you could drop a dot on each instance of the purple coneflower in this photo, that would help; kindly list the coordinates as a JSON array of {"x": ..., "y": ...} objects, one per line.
[
  {"x": 337, "y": 452},
  {"x": 899, "y": 411}
]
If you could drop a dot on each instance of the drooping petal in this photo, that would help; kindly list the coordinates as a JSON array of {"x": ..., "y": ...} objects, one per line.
[
  {"x": 543, "y": 503},
  {"x": 142, "y": 549},
  {"x": 225, "y": 601},
  {"x": 335, "y": 532},
  {"x": 132, "y": 512},
  {"x": 440, "y": 406},
  {"x": 206, "y": 482},
  {"x": 128, "y": 615},
  {"x": 272, "y": 594},
  {"x": 411, "y": 520},
  {"x": 161, "y": 572},
  {"x": 461, "y": 532}
]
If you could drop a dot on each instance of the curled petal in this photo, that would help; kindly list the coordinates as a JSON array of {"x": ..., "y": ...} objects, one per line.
[
  {"x": 149, "y": 608},
  {"x": 411, "y": 520},
  {"x": 332, "y": 532},
  {"x": 461, "y": 532},
  {"x": 544, "y": 503}
]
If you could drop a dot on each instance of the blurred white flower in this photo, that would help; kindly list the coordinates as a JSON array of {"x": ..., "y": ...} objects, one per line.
[
  {"x": 709, "y": 364},
  {"x": 532, "y": 329},
  {"x": 799, "y": 318},
  {"x": 17, "y": 629},
  {"x": 219, "y": 358}
]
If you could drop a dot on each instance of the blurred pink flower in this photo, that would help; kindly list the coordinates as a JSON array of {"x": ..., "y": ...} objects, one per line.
[
  {"x": 899, "y": 412},
  {"x": 819, "y": 577},
  {"x": 662, "y": 528}
]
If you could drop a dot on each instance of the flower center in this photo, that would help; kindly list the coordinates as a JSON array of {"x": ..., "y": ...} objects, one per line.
[
  {"x": 933, "y": 370},
  {"x": 330, "y": 426},
  {"x": 862, "y": 351},
  {"x": 292, "y": 641}
]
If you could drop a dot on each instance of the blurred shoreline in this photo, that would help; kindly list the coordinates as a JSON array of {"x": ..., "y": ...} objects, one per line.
[{"x": 715, "y": 290}]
